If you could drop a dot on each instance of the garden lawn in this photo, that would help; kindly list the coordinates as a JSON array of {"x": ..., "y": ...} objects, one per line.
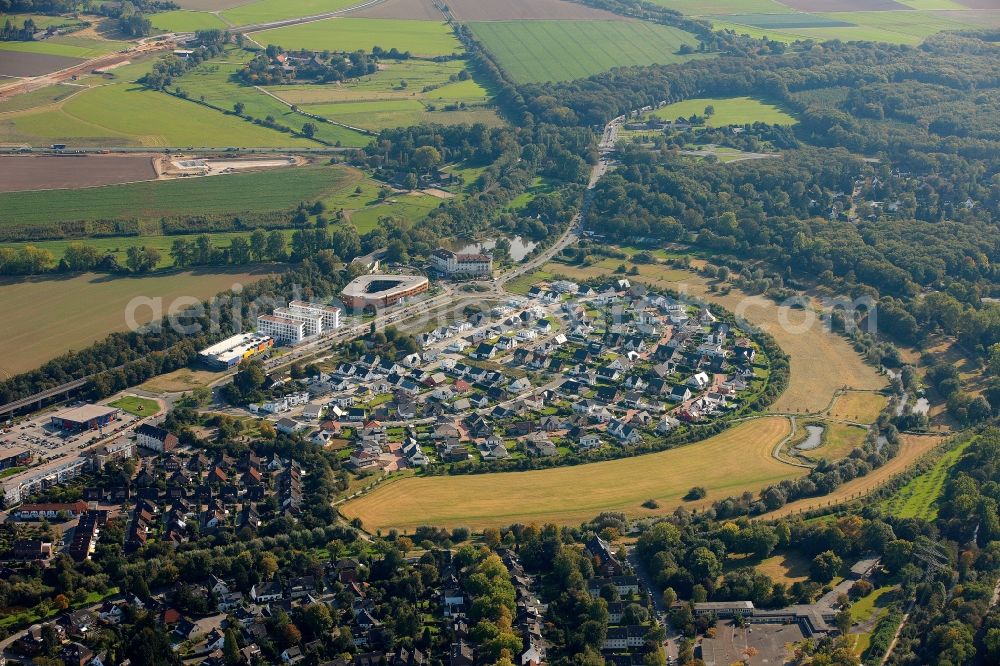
[
  {"x": 137, "y": 406},
  {"x": 539, "y": 51}
]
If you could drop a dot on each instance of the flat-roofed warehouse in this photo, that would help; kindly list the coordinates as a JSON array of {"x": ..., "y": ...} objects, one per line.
[
  {"x": 232, "y": 351},
  {"x": 85, "y": 417},
  {"x": 381, "y": 291}
]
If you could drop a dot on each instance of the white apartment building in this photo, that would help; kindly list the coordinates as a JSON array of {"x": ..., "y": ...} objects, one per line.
[
  {"x": 312, "y": 324},
  {"x": 450, "y": 263},
  {"x": 282, "y": 329},
  {"x": 298, "y": 321},
  {"x": 330, "y": 314}
]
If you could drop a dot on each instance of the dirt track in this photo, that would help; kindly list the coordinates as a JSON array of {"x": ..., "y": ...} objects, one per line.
[{"x": 47, "y": 172}]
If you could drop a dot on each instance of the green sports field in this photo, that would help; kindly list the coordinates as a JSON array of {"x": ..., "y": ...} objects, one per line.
[
  {"x": 539, "y": 51},
  {"x": 265, "y": 11},
  {"x": 421, "y": 38},
  {"x": 262, "y": 191},
  {"x": 186, "y": 21},
  {"x": 728, "y": 111}
]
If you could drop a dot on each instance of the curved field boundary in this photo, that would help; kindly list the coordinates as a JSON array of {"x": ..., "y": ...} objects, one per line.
[
  {"x": 913, "y": 449},
  {"x": 730, "y": 463}
]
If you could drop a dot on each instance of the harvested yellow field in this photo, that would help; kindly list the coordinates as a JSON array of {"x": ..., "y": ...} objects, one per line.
[
  {"x": 728, "y": 464},
  {"x": 859, "y": 407},
  {"x": 913, "y": 448},
  {"x": 821, "y": 361}
]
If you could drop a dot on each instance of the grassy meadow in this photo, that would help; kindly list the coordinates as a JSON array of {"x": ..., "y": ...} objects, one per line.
[
  {"x": 266, "y": 11},
  {"x": 214, "y": 82},
  {"x": 918, "y": 498},
  {"x": 401, "y": 93},
  {"x": 728, "y": 111},
  {"x": 125, "y": 114},
  {"x": 182, "y": 20},
  {"x": 421, "y": 38},
  {"x": 539, "y": 51},
  {"x": 67, "y": 45},
  {"x": 858, "y": 407},
  {"x": 736, "y": 460}
]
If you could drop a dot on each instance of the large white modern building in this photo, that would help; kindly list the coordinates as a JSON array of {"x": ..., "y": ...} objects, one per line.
[
  {"x": 468, "y": 265},
  {"x": 232, "y": 351},
  {"x": 281, "y": 329},
  {"x": 299, "y": 321}
]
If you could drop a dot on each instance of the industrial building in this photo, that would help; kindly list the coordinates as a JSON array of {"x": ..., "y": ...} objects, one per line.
[
  {"x": 382, "y": 291},
  {"x": 16, "y": 457},
  {"x": 298, "y": 321},
  {"x": 461, "y": 265},
  {"x": 85, "y": 417},
  {"x": 232, "y": 351}
]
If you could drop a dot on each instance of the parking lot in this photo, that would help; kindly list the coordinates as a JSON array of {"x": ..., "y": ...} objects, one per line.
[
  {"x": 767, "y": 644},
  {"x": 45, "y": 442}
]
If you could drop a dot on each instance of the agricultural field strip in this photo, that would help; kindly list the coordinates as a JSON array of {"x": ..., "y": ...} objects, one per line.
[{"x": 567, "y": 495}]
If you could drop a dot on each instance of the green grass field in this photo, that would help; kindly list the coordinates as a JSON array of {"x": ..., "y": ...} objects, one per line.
[
  {"x": 118, "y": 245},
  {"x": 402, "y": 92},
  {"x": 213, "y": 81},
  {"x": 538, "y": 51},
  {"x": 895, "y": 27},
  {"x": 839, "y": 439},
  {"x": 273, "y": 190},
  {"x": 186, "y": 21},
  {"x": 41, "y": 21},
  {"x": 136, "y": 406},
  {"x": 67, "y": 45},
  {"x": 127, "y": 114},
  {"x": 37, "y": 98},
  {"x": 45, "y": 317},
  {"x": 918, "y": 498},
  {"x": 264, "y": 11},
  {"x": 422, "y": 38},
  {"x": 728, "y": 111}
]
